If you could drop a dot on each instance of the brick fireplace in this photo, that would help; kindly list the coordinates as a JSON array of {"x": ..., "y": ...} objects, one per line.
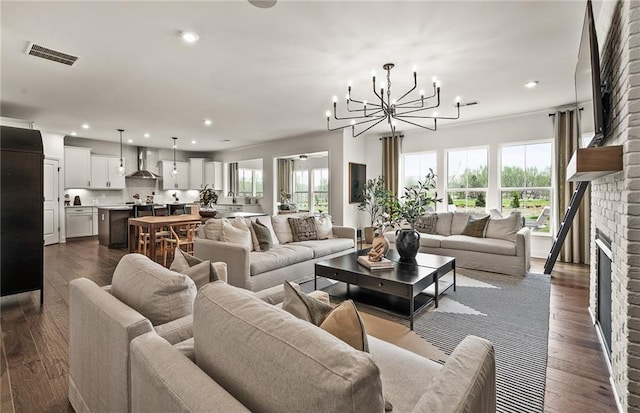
[{"x": 615, "y": 198}]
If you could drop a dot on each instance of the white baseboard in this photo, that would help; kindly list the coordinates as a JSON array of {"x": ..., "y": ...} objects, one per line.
[{"x": 608, "y": 362}]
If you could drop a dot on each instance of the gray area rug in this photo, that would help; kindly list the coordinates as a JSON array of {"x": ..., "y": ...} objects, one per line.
[{"x": 512, "y": 313}]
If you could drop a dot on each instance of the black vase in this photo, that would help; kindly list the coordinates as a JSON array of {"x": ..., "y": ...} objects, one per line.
[{"x": 407, "y": 243}]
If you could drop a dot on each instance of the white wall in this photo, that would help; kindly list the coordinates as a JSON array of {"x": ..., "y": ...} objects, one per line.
[{"x": 355, "y": 150}]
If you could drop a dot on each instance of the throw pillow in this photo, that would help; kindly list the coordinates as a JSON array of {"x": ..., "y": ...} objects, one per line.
[
  {"x": 201, "y": 272},
  {"x": 212, "y": 228},
  {"x": 324, "y": 227},
  {"x": 303, "y": 229},
  {"x": 159, "y": 294},
  {"x": 427, "y": 224},
  {"x": 266, "y": 221},
  {"x": 303, "y": 306},
  {"x": 505, "y": 228},
  {"x": 476, "y": 227},
  {"x": 263, "y": 236},
  {"x": 235, "y": 235},
  {"x": 282, "y": 228},
  {"x": 345, "y": 323},
  {"x": 459, "y": 222},
  {"x": 245, "y": 224}
]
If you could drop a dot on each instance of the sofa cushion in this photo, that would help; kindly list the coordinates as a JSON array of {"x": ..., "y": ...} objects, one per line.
[
  {"x": 443, "y": 225},
  {"x": 282, "y": 229},
  {"x": 430, "y": 240},
  {"x": 263, "y": 237},
  {"x": 400, "y": 388},
  {"x": 277, "y": 257},
  {"x": 266, "y": 221},
  {"x": 324, "y": 227},
  {"x": 426, "y": 224},
  {"x": 159, "y": 294},
  {"x": 488, "y": 245},
  {"x": 459, "y": 222},
  {"x": 325, "y": 247},
  {"x": 201, "y": 272},
  {"x": 476, "y": 227},
  {"x": 240, "y": 236},
  {"x": 212, "y": 228},
  {"x": 504, "y": 228},
  {"x": 303, "y": 229},
  {"x": 284, "y": 364}
]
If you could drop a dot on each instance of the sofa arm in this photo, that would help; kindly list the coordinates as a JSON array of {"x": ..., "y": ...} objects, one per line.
[
  {"x": 164, "y": 380},
  {"x": 236, "y": 257},
  {"x": 523, "y": 246},
  {"x": 177, "y": 330},
  {"x": 466, "y": 383},
  {"x": 345, "y": 232},
  {"x": 100, "y": 330}
]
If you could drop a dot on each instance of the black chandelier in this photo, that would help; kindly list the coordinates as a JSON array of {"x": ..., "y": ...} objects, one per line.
[{"x": 391, "y": 110}]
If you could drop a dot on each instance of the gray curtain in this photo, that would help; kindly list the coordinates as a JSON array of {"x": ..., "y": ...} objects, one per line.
[
  {"x": 233, "y": 177},
  {"x": 576, "y": 247},
  {"x": 391, "y": 149},
  {"x": 285, "y": 176}
]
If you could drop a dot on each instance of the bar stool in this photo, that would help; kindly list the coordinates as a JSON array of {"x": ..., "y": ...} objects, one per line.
[
  {"x": 182, "y": 238},
  {"x": 143, "y": 236},
  {"x": 176, "y": 209}
]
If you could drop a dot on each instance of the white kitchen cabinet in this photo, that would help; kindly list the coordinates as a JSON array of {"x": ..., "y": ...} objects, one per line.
[
  {"x": 77, "y": 167},
  {"x": 196, "y": 173},
  {"x": 103, "y": 173},
  {"x": 178, "y": 182},
  {"x": 213, "y": 175},
  {"x": 79, "y": 222}
]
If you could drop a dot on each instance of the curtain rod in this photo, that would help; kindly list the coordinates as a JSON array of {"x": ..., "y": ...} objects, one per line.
[
  {"x": 399, "y": 136},
  {"x": 553, "y": 114}
]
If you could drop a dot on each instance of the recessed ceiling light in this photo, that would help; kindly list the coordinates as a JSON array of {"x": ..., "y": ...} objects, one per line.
[
  {"x": 85, "y": 126},
  {"x": 531, "y": 84},
  {"x": 146, "y": 135},
  {"x": 129, "y": 140},
  {"x": 226, "y": 140},
  {"x": 208, "y": 122},
  {"x": 189, "y": 37},
  {"x": 193, "y": 142},
  {"x": 263, "y": 4},
  {"x": 73, "y": 134}
]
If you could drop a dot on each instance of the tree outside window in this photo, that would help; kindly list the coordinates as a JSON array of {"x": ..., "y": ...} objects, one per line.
[
  {"x": 250, "y": 183},
  {"x": 301, "y": 189},
  {"x": 320, "y": 187},
  {"x": 467, "y": 179},
  {"x": 525, "y": 179}
]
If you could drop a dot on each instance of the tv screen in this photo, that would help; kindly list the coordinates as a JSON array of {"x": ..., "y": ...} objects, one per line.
[{"x": 588, "y": 86}]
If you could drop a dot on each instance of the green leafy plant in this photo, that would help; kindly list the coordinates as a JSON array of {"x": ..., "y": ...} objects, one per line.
[
  {"x": 374, "y": 199},
  {"x": 208, "y": 197},
  {"x": 413, "y": 204},
  {"x": 515, "y": 200}
]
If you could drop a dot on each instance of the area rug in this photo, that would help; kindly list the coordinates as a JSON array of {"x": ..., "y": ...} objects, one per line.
[{"x": 512, "y": 313}]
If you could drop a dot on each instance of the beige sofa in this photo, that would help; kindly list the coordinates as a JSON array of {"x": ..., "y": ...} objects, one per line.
[
  {"x": 287, "y": 260},
  {"x": 252, "y": 356},
  {"x": 505, "y": 247},
  {"x": 101, "y": 328}
]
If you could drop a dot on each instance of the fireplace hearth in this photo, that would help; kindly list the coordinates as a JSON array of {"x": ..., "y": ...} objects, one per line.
[{"x": 604, "y": 258}]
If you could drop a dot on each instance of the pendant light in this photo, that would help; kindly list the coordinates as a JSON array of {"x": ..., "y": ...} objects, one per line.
[
  {"x": 174, "y": 172},
  {"x": 120, "y": 169}
]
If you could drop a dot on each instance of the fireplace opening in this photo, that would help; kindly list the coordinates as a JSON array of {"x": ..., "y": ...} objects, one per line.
[{"x": 603, "y": 274}]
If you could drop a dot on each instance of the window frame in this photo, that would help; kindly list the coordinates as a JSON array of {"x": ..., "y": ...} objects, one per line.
[{"x": 466, "y": 189}]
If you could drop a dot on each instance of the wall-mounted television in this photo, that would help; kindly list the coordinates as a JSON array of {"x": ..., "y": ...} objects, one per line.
[{"x": 588, "y": 87}]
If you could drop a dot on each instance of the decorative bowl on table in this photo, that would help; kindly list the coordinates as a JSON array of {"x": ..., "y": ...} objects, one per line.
[{"x": 208, "y": 212}]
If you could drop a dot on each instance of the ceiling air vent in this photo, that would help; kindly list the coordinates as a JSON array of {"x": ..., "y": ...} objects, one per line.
[
  {"x": 463, "y": 104},
  {"x": 50, "y": 54}
]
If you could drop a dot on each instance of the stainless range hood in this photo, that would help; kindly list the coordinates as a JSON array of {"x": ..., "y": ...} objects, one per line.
[{"x": 142, "y": 171}]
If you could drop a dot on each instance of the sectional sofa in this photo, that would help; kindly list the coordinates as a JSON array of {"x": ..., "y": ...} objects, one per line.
[
  {"x": 254, "y": 270},
  {"x": 503, "y": 247}
]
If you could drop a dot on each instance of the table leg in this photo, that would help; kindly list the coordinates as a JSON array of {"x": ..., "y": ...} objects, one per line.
[
  {"x": 132, "y": 237},
  {"x": 315, "y": 282},
  {"x": 411, "y": 309},
  {"x": 348, "y": 290},
  {"x": 152, "y": 242},
  {"x": 435, "y": 286},
  {"x": 454, "y": 276}
]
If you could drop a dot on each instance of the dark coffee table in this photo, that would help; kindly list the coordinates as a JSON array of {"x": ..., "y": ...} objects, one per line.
[{"x": 401, "y": 290}]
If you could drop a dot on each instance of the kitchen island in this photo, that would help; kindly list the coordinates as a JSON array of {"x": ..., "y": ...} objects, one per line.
[{"x": 113, "y": 224}]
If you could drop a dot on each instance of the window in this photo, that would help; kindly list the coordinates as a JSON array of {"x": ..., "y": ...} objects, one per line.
[
  {"x": 467, "y": 180},
  {"x": 525, "y": 181},
  {"x": 250, "y": 182},
  {"x": 301, "y": 189},
  {"x": 416, "y": 167},
  {"x": 320, "y": 187}
]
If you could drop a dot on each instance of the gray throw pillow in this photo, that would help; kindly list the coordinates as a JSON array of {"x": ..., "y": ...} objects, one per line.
[
  {"x": 303, "y": 229},
  {"x": 263, "y": 235},
  {"x": 201, "y": 272},
  {"x": 303, "y": 306},
  {"x": 427, "y": 224},
  {"x": 476, "y": 227}
]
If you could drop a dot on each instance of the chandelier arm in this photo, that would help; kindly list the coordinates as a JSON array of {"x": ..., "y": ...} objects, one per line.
[
  {"x": 362, "y": 110},
  {"x": 380, "y": 118},
  {"x": 415, "y": 84},
  {"x": 435, "y": 126},
  {"x": 362, "y": 103},
  {"x": 434, "y": 117},
  {"x": 420, "y": 100},
  {"x": 417, "y": 110},
  {"x": 355, "y": 135}
]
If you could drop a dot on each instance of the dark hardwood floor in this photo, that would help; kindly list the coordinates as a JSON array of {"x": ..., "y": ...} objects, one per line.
[{"x": 35, "y": 340}]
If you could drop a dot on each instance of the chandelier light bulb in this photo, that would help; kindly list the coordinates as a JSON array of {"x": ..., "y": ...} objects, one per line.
[
  {"x": 328, "y": 114},
  {"x": 364, "y": 102},
  {"x": 415, "y": 69},
  {"x": 438, "y": 83},
  {"x": 353, "y": 122},
  {"x": 373, "y": 74},
  {"x": 335, "y": 99},
  {"x": 435, "y": 114},
  {"x": 422, "y": 92},
  {"x": 189, "y": 37},
  {"x": 457, "y": 99},
  {"x": 434, "y": 79},
  {"x": 349, "y": 83},
  {"x": 146, "y": 135},
  {"x": 346, "y": 96},
  {"x": 393, "y": 101}
]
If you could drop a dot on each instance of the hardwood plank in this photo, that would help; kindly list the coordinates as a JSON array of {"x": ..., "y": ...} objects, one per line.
[{"x": 6, "y": 396}]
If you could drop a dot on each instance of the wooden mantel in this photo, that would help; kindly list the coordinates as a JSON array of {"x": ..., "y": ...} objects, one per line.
[{"x": 588, "y": 164}]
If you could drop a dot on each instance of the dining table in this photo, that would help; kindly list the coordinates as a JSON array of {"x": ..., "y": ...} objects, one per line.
[{"x": 153, "y": 224}]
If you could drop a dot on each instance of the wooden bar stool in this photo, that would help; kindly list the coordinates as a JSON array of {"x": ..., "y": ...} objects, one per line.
[{"x": 181, "y": 237}]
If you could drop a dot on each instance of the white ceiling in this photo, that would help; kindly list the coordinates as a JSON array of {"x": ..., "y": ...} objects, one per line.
[{"x": 264, "y": 74}]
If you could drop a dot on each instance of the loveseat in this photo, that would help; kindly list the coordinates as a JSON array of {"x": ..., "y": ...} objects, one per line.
[
  {"x": 503, "y": 246},
  {"x": 253, "y": 268},
  {"x": 251, "y": 356}
]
